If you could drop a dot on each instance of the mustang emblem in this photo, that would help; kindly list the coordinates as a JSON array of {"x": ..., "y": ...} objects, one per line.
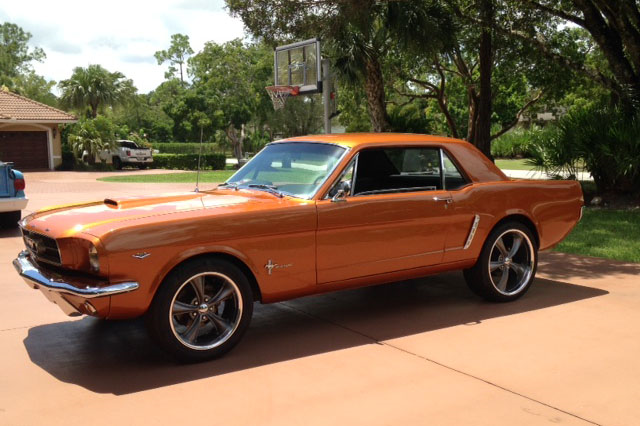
[{"x": 270, "y": 266}]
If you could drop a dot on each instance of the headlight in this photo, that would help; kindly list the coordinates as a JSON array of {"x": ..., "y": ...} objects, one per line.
[{"x": 94, "y": 260}]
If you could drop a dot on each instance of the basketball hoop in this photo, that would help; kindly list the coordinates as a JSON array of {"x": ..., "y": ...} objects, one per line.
[{"x": 280, "y": 94}]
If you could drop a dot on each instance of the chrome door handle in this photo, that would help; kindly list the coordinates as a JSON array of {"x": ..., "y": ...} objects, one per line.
[{"x": 448, "y": 200}]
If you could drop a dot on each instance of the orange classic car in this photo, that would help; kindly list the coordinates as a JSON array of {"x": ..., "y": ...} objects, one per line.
[{"x": 306, "y": 215}]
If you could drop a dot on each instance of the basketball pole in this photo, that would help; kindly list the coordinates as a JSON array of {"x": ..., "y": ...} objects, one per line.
[{"x": 326, "y": 94}]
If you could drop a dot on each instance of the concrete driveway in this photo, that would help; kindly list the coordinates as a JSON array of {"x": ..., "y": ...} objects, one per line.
[{"x": 419, "y": 352}]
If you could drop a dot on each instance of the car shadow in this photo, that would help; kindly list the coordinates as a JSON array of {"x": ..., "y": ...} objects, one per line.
[{"x": 118, "y": 357}]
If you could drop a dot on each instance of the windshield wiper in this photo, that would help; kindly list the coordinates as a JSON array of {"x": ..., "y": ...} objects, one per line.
[{"x": 270, "y": 188}]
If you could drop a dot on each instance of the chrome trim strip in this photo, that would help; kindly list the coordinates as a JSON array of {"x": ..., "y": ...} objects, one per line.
[
  {"x": 442, "y": 170},
  {"x": 35, "y": 278},
  {"x": 472, "y": 231}
]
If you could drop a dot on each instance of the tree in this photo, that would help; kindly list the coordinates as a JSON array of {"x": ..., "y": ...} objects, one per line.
[
  {"x": 615, "y": 28},
  {"x": 92, "y": 88},
  {"x": 177, "y": 54},
  {"x": 230, "y": 78},
  {"x": 15, "y": 54},
  {"x": 359, "y": 35},
  {"x": 92, "y": 136},
  {"x": 36, "y": 87}
]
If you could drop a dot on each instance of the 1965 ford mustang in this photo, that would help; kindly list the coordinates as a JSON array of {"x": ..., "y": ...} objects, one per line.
[{"x": 306, "y": 215}]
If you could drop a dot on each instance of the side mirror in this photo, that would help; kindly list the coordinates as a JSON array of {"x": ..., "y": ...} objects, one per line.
[{"x": 341, "y": 196}]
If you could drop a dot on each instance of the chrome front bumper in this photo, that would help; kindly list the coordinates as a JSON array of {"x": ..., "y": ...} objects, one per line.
[{"x": 54, "y": 286}]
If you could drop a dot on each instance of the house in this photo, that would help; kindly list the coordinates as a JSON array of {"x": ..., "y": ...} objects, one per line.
[{"x": 29, "y": 133}]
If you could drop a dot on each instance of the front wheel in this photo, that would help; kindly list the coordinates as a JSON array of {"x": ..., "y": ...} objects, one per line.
[
  {"x": 10, "y": 219},
  {"x": 507, "y": 264},
  {"x": 201, "y": 310}
]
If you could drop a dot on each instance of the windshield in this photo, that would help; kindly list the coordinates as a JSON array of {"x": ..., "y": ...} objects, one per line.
[{"x": 294, "y": 168}]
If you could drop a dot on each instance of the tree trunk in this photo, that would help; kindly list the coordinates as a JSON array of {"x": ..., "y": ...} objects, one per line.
[
  {"x": 374, "y": 87},
  {"x": 237, "y": 138},
  {"x": 482, "y": 139}
]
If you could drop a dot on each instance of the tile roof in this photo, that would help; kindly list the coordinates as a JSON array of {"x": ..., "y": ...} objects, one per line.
[{"x": 18, "y": 108}]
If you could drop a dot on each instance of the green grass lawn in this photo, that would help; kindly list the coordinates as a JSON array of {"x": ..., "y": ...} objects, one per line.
[
  {"x": 215, "y": 176},
  {"x": 513, "y": 164},
  {"x": 612, "y": 234}
]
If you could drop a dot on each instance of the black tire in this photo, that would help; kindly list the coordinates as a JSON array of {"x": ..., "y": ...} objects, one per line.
[
  {"x": 186, "y": 321},
  {"x": 501, "y": 273},
  {"x": 117, "y": 163},
  {"x": 10, "y": 219}
]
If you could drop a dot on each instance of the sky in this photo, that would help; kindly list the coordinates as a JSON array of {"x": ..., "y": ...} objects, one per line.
[{"x": 117, "y": 34}]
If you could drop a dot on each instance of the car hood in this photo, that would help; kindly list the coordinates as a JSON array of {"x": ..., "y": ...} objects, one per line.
[{"x": 112, "y": 213}]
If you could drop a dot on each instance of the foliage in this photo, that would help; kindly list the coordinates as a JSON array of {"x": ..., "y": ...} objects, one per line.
[
  {"x": 68, "y": 158},
  {"x": 301, "y": 116},
  {"x": 605, "y": 139},
  {"x": 189, "y": 161},
  {"x": 185, "y": 147},
  {"x": 177, "y": 54},
  {"x": 92, "y": 136},
  {"x": 514, "y": 144},
  {"x": 92, "y": 88},
  {"x": 15, "y": 55},
  {"x": 228, "y": 83}
]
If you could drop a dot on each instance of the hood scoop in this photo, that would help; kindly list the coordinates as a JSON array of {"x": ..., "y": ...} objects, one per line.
[{"x": 132, "y": 202}]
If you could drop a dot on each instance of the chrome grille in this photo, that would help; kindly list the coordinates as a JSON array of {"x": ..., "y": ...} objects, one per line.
[{"x": 41, "y": 247}]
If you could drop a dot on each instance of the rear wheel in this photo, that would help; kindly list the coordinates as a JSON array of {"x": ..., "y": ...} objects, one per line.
[
  {"x": 201, "y": 310},
  {"x": 10, "y": 219},
  {"x": 507, "y": 264},
  {"x": 117, "y": 163}
]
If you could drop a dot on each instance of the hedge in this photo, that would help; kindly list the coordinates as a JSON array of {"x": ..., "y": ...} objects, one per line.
[
  {"x": 185, "y": 147},
  {"x": 189, "y": 161}
]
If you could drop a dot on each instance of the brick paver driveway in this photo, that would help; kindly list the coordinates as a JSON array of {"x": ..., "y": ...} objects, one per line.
[{"x": 420, "y": 352}]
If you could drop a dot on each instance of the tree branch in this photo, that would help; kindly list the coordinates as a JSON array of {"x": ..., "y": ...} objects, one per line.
[{"x": 515, "y": 121}]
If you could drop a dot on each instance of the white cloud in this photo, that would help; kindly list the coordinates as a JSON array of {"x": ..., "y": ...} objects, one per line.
[{"x": 120, "y": 35}]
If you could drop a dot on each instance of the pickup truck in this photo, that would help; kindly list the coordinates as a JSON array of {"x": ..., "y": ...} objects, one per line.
[
  {"x": 128, "y": 153},
  {"x": 12, "y": 198}
]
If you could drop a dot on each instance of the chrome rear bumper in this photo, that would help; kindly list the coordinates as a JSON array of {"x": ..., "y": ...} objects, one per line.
[{"x": 55, "y": 285}]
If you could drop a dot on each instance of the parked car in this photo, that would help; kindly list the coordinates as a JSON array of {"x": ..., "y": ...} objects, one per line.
[
  {"x": 306, "y": 215},
  {"x": 128, "y": 153},
  {"x": 12, "y": 197}
]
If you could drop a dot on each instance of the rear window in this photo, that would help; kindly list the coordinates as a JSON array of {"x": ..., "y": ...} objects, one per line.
[{"x": 127, "y": 144}]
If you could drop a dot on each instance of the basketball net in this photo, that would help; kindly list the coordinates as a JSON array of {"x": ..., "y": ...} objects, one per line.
[{"x": 280, "y": 94}]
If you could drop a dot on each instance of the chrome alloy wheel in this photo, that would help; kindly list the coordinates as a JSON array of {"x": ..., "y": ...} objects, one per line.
[
  {"x": 511, "y": 262},
  {"x": 206, "y": 311}
]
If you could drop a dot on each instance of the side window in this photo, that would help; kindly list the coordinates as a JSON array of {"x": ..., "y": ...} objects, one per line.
[
  {"x": 453, "y": 179},
  {"x": 386, "y": 170}
]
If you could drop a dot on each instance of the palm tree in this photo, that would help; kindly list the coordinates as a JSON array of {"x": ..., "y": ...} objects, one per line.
[
  {"x": 93, "y": 87},
  {"x": 368, "y": 33}
]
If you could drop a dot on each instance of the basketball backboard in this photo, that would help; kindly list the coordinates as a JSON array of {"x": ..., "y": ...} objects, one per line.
[{"x": 299, "y": 64}]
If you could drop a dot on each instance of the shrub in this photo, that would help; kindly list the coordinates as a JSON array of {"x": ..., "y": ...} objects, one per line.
[
  {"x": 189, "y": 161},
  {"x": 185, "y": 147},
  {"x": 514, "y": 144},
  {"x": 606, "y": 139},
  {"x": 68, "y": 159}
]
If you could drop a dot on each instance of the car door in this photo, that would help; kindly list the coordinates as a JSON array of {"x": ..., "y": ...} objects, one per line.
[{"x": 393, "y": 216}]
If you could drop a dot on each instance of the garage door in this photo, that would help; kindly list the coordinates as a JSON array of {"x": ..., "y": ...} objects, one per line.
[{"x": 27, "y": 150}]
